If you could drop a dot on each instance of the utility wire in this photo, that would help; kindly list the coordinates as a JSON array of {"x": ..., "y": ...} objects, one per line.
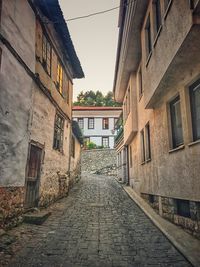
[
  {"x": 101, "y": 12},
  {"x": 94, "y": 14}
]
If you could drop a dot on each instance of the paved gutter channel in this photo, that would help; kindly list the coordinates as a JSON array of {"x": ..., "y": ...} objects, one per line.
[{"x": 186, "y": 244}]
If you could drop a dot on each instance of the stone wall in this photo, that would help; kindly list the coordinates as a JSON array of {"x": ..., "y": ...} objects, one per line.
[
  {"x": 167, "y": 208},
  {"x": 99, "y": 161},
  {"x": 11, "y": 206}
]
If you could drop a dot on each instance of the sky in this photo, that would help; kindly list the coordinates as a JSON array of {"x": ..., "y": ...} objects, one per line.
[{"x": 95, "y": 41}]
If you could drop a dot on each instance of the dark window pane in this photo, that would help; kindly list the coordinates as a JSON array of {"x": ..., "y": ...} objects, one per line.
[
  {"x": 90, "y": 123},
  {"x": 148, "y": 37},
  {"x": 183, "y": 208},
  {"x": 158, "y": 14},
  {"x": 147, "y": 139},
  {"x": 58, "y": 133},
  {"x": 176, "y": 122},
  {"x": 105, "y": 123},
  {"x": 81, "y": 123},
  {"x": 142, "y": 146},
  {"x": 195, "y": 109}
]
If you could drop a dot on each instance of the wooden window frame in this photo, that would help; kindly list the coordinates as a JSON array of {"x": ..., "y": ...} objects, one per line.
[
  {"x": 103, "y": 126},
  {"x": 192, "y": 88},
  {"x": 107, "y": 138},
  {"x": 58, "y": 129},
  {"x": 59, "y": 81},
  {"x": 89, "y": 126},
  {"x": 46, "y": 55}
]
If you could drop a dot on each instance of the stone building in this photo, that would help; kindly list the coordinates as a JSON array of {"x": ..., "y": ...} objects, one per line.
[
  {"x": 157, "y": 78},
  {"x": 37, "y": 65},
  {"x": 97, "y": 124}
]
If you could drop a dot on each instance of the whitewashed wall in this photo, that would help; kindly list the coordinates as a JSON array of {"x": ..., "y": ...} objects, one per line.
[{"x": 98, "y": 132}]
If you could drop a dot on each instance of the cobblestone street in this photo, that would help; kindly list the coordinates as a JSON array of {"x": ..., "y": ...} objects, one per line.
[{"x": 97, "y": 225}]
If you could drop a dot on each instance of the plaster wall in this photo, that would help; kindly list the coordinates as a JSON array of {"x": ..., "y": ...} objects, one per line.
[
  {"x": 165, "y": 44},
  {"x": 12, "y": 27},
  {"x": 15, "y": 91},
  {"x": 49, "y": 81},
  {"x": 55, "y": 163},
  {"x": 175, "y": 173}
]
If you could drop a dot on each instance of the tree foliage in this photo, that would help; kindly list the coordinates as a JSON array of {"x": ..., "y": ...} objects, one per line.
[{"x": 90, "y": 98}]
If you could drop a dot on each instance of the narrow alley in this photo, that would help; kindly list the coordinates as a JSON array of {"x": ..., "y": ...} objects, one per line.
[{"x": 97, "y": 225}]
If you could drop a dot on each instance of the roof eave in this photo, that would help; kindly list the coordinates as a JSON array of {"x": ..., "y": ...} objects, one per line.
[{"x": 129, "y": 47}]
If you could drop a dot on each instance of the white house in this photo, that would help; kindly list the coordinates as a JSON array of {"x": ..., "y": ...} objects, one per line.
[{"x": 97, "y": 123}]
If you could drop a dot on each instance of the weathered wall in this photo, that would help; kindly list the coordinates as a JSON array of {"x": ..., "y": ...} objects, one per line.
[
  {"x": 49, "y": 81},
  {"x": 75, "y": 164},
  {"x": 15, "y": 91},
  {"x": 98, "y": 160},
  {"x": 56, "y": 164},
  {"x": 167, "y": 42},
  {"x": 11, "y": 206}
]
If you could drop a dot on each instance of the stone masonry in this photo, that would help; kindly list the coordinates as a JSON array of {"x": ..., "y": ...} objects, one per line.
[
  {"x": 96, "y": 225},
  {"x": 100, "y": 161}
]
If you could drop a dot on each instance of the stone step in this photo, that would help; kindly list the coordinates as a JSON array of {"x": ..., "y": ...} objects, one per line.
[{"x": 38, "y": 217}]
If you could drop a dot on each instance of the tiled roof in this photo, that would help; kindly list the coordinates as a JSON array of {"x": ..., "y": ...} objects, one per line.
[
  {"x": 52, "y": 10},
  {"x": 75, "y": 108}
]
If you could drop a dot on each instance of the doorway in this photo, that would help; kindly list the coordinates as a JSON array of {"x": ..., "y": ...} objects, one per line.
[{"x": 33, "y": 176}]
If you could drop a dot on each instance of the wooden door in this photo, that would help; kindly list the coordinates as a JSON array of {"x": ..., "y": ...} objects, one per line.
[{"x": 33, "y": 176}]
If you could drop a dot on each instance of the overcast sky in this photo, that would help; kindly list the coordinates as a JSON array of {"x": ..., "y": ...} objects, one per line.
[{"x": 95, "y": 41}]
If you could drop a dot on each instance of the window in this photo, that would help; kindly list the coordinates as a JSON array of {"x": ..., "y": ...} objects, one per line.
[
  {"x": 128, "y": 102},
  {"x": 73, "y": 147},
  {"x": 130, "y": 153},
  {"x": 195, "y": 109},
  {"x": 140, "y": 86},
  {"x": 176, "y": 122},
  {"x": 90, "y": 123},
  {"x": 148, "y": 37},
  {"x": 66, "y": 86},
  {"x": 0, "y": 56},
  {"x": 81, "y": 123},
  {"x": 105, "y": 123},
  {"x": 46, "y": 55},
  {"x": 59, "y": 84},
  {"x": 58, "y": 133},
  {"x": 157, "y": 15},
  {"x": 105, "y": 141},
  {"x": 183, "y": 208},
  {"x": 115, "y": 123},
  {"x": 142, "y": 146},
  {"x": 0, "y": 10},
  {"x": 147, "y": 142},
  {"x": 151, "y": 199}
]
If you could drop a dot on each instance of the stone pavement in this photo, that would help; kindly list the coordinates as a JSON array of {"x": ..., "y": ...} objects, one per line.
[{"x": 97, "y": 225}]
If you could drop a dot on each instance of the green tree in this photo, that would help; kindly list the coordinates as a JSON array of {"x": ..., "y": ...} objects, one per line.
[{"x": 90, "y": 98}]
